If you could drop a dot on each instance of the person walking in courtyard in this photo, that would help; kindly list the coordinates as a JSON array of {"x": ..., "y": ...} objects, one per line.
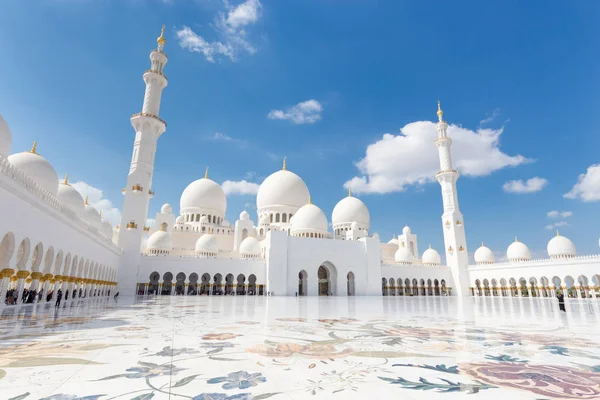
[
  {"x": 561, "y": 302},
  {"x": 58, "y": 298}
]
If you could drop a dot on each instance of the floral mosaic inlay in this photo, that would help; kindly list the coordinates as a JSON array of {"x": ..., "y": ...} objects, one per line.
[{"x": 253, "y": 348}]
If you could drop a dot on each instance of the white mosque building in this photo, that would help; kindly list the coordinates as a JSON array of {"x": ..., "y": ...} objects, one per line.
[{"x": 52, "y": 238}]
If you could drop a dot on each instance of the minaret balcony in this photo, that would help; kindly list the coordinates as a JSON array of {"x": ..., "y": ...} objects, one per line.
[
  {"x": 151, "y": 193},
  {"x": 446, "y": 171},
  {"x": 156, "y": 117},
  {"x": 146, "y": 229},
  {"x": 137, "y": 188},
  {"x": 156, "y": 72},
  {"x": 123, "y": 191}
]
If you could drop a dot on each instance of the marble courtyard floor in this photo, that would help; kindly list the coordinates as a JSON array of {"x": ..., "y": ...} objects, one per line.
[{"x": 301, "y": 348}]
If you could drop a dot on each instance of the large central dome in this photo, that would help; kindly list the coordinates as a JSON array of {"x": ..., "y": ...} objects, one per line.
[
  {"x": 283, "y": 188},
  {"x": 203, "y": 194}
]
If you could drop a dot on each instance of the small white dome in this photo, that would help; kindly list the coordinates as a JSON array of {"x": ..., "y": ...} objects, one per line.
[
  {"x": 282, "y": 188},
  {"x": 402, "y": 256},
  {"x": 166, "y": 209},
  {"x": 159, "y": 240},
  {"x": 484, "y": 255},
  {"x": 37, "y": 168},
  {"x": 518, "y": 251},
  {"x": 5, "y": 138},
  {"x": 406, "y": 230},
  {"x": 376, "y": 235},
  {"x": 207, "y": 244},
  {"x": 309, "y": 218},
  {"x": 250, "y": 246},
  {"x": 244, "y": 216},
  {"x": 106, "y": 229},
  {"x": 204, "y": 194},
  {"x": 561, "y": 247},
  {"x": 431, "y": 257},
  {"x": 394, "y": 241},
  {"x": 354, "y": 226},
  {"x": 91, "y": 215},
  {"x": 350, "y": 209},
  {"x": 204, "y": 219},
  {"x": 179, "y": 220},
  {"x": 70, "y": 197}
]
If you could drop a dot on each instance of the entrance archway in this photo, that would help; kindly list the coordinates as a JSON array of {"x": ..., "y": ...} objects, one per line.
[
  {"x": 180, "y": 284},
  {"x": 153, "y": 286},
  {"x": 326, "y": 278},
  {"x": 302, "y": 286},
  {"x": 350, "y": 284}
]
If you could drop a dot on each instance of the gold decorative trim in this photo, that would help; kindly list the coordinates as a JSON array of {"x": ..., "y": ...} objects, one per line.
[{"x": 156, "y": 117}]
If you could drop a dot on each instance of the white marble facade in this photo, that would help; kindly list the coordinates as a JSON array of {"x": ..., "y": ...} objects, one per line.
[{"x": 52, "y": 239}]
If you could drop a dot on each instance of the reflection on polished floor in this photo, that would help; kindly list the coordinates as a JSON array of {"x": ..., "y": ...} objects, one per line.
[{"x": 296, "y": 348}]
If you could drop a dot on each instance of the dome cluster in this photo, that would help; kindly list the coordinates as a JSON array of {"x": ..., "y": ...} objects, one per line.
[
  {"x": 38, "y": 169},
  {"x": 559, "y": 247}
]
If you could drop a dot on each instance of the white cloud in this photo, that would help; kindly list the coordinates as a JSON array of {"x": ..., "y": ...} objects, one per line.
[
  {"x": 230, "y": 28},
  {"x": 97, "y": 200},
  {"x": 489, "y": 118},
  {"x": 556, "y": 225},
  {"x": 240, "y": 187},
  {"x": 557, "y": 214},
  {"x": 306, "y": 112},
  {"x": 520, "y": 186},
  {"x": 244, "y": 14},
  {"x": 587, "y": 187},
  {"x": 222, "y": 136},
  {"x": 411, "y": 158}
]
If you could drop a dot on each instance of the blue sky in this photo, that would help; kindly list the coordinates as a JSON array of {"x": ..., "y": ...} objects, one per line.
[{"x": 519, "y": 79}]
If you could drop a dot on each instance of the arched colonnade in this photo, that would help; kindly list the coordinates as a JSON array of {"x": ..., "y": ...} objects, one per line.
[
  {"x": 200, "y": 284},
  {"x": 39, "y": 267},
  {"x": 414, "y": 287},
  {"x": 579, "y": 287}
]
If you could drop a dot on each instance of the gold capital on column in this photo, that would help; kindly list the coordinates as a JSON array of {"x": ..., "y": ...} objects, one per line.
[
  {"x": 7, "y": 272},
  {"x": 36, "y": 275},
  {"x": 22, "y": 274}
]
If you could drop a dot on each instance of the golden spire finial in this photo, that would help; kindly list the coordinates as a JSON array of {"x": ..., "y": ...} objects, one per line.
[
  {"x": 349, "y": 192},
  {"x": 429, "y": 246},
  {"x": 439, "y": 111},
  {"x": 284, "y": 163},
  {"x": 161, "y": 39},
  {"x": 206, "y": 173},
  {"x": 557, "y": 233},
  {"x": 516, "y": 240},
  {"x": 34, "y": 147},
  {"x": 309, "y": 200},
  {"x": 86, "y": 200},
  {"x": 66, "y": 181},
  {"x": 100, "y": 213},
  {"x": 482, "y": 244}
]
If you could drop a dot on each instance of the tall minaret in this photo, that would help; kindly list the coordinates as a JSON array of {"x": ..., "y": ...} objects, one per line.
[
  {"x": 148, "y": 128},
  {"x": 452, "y": 219}
]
